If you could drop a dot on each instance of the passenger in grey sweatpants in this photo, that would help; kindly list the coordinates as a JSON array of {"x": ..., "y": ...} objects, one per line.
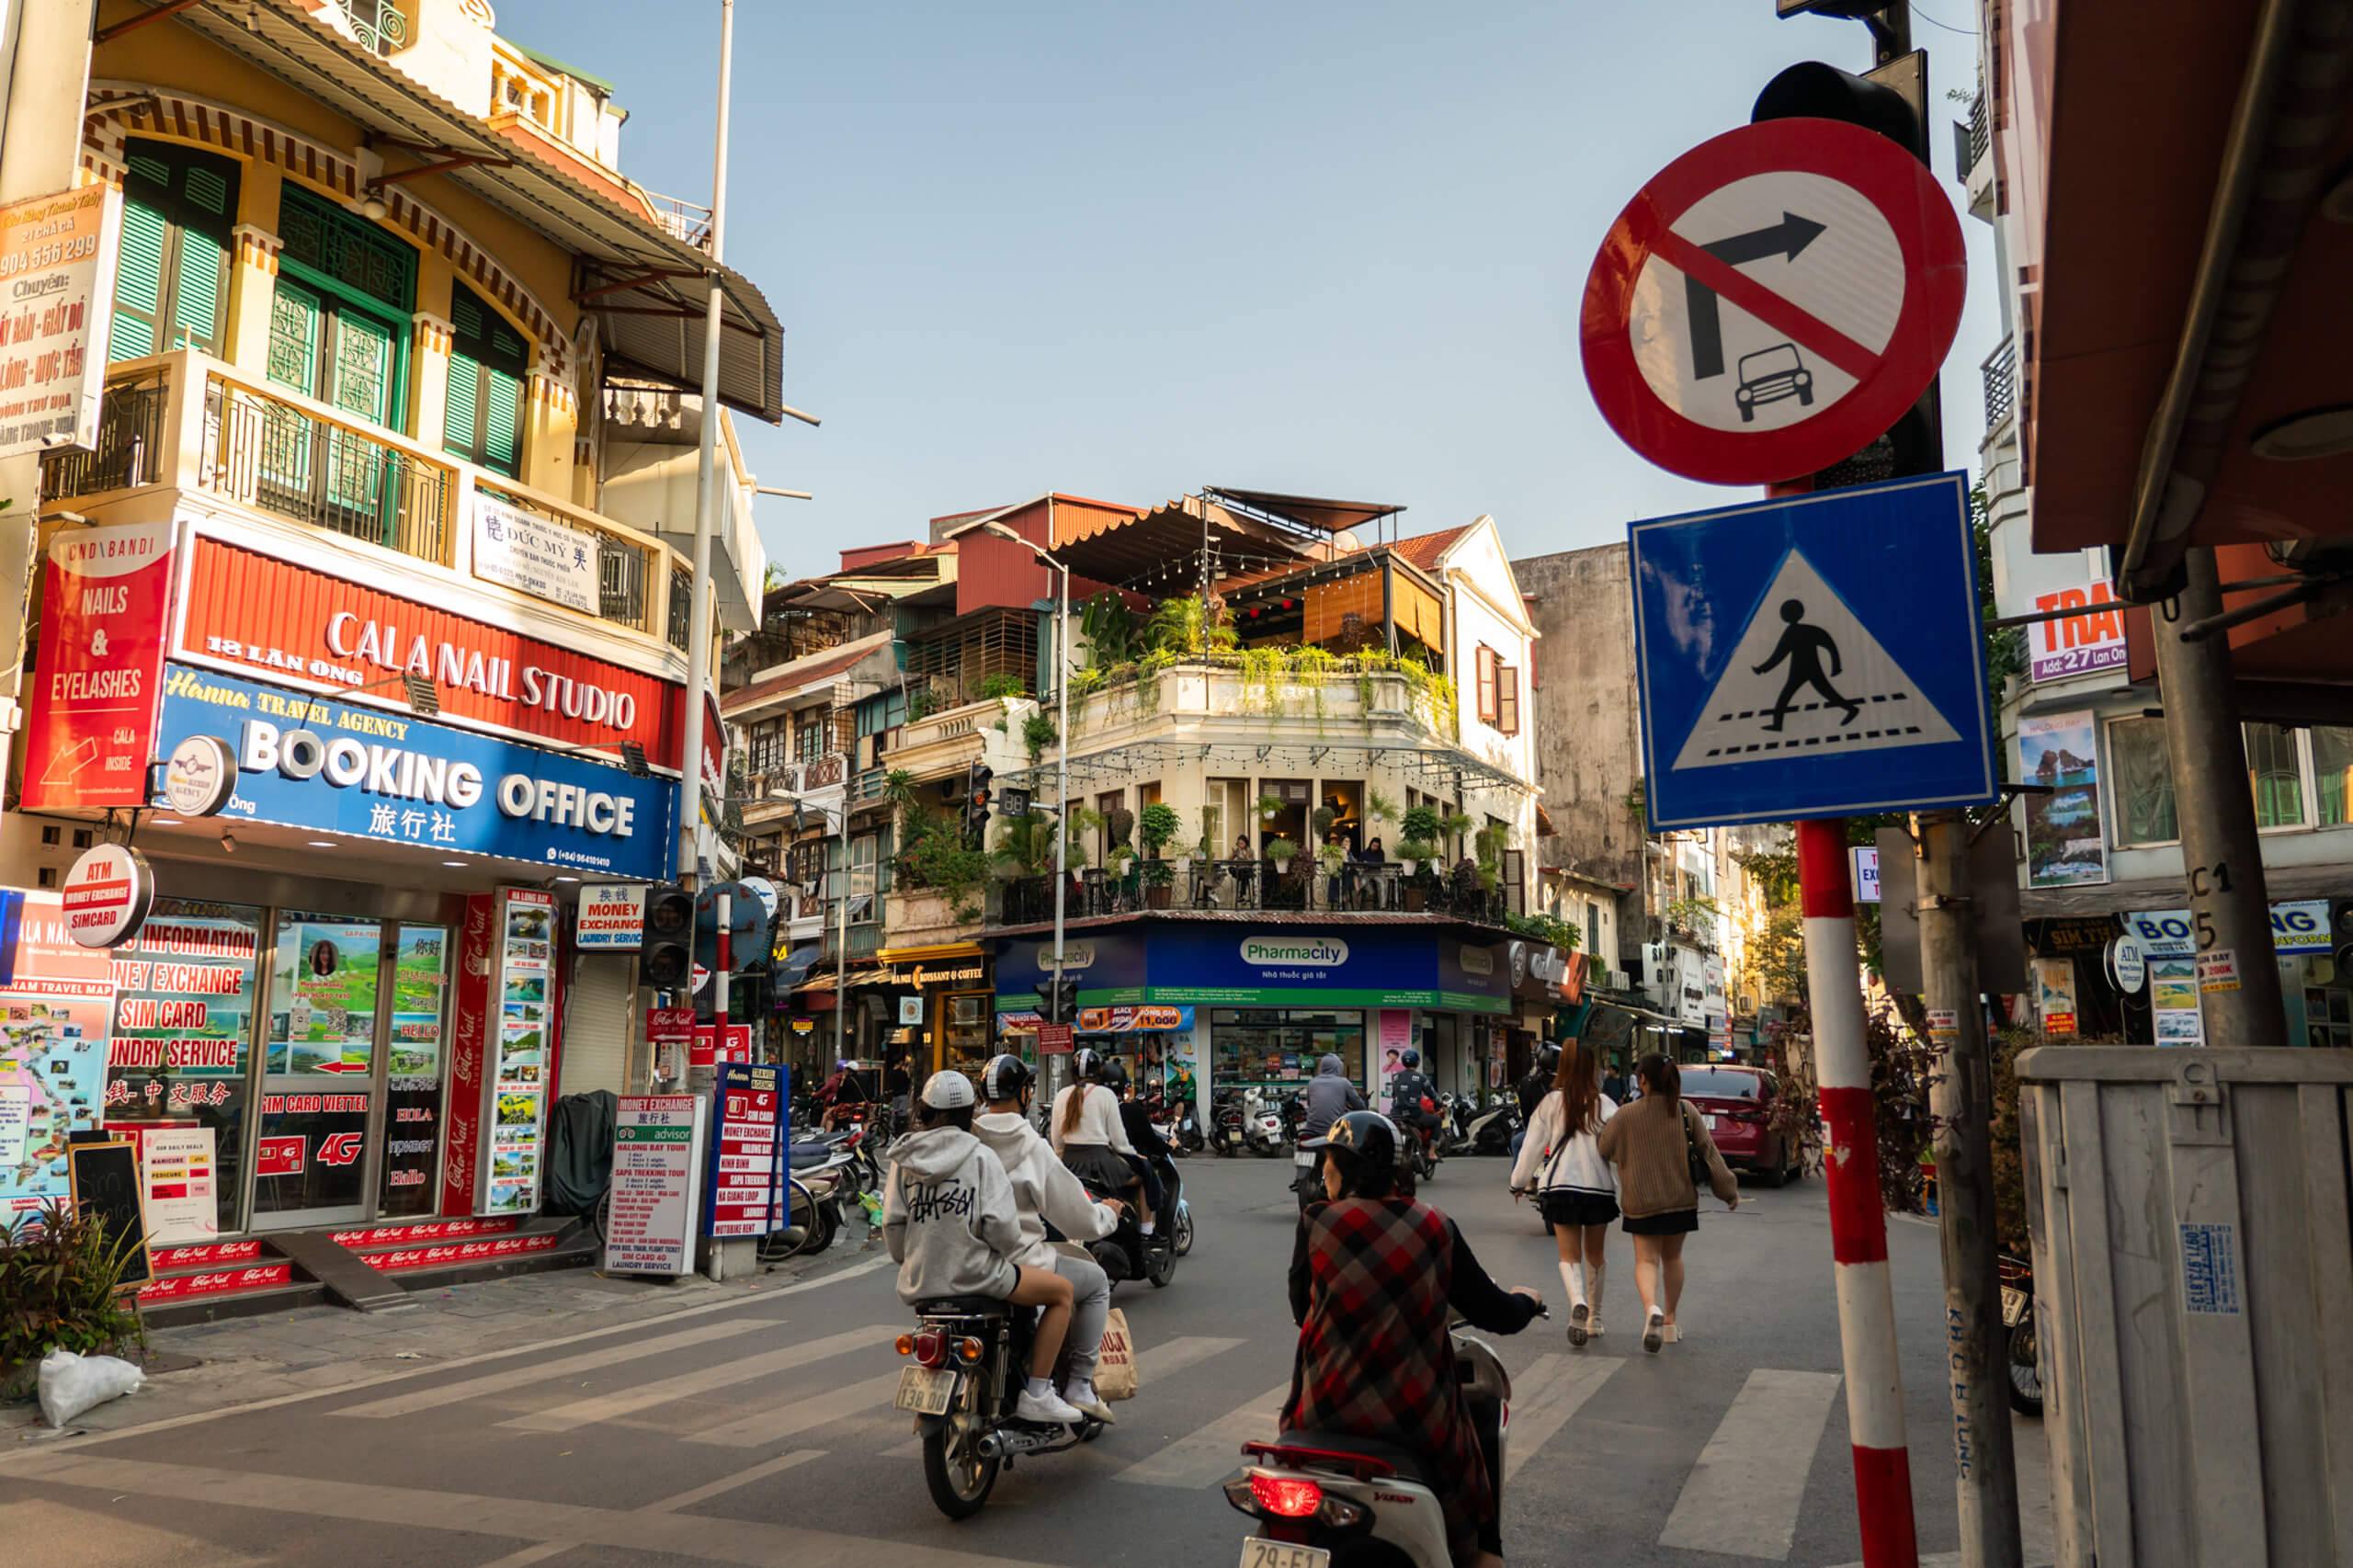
[{"x": 1044, "y": 1191}]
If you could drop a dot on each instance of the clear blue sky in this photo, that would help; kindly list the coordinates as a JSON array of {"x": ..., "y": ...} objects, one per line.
[{"x": 1124, "y": 250}]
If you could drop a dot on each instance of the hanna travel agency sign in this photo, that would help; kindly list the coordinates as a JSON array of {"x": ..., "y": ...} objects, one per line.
[{"x": 310, "y": 762}]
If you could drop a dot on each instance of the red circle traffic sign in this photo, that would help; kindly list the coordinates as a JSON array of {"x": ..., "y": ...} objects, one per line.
[{"x": 1772, "y": 301}]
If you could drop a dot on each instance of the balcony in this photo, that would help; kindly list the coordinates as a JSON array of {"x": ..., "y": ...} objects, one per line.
[
  {"x": 2000, "y": 375},
  {"x": 1295, "y": 886},
  {"x": 1304, "y": 689},
  {"x": 189, "y": 422}
]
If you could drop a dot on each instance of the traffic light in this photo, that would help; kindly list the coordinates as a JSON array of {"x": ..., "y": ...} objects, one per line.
[
  {"x": 1062, "y": 1009},
  {"x": 1891, "y": 101},
  {"x": 667, "y": 959},
  {"x": 976, "y": 804}
]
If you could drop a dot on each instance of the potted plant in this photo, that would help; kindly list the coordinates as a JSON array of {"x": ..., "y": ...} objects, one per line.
[
  {"x": 1158, "y": 825},
  {"x": 1414, "y": 851},
  {"x": 1282, "y": 851},
  {"x": 1422, "y": 826},
  {"x": 1159, "y": 878},
  {"x": 1332, "y": 856},
  {"x": 1415, "y": 854},
  {"x": 1379, "y": 807},
  {"x": 1323, "y": 817},
  {"x": 1120, "y": 824},
  {"x": 1268, "y": 805}
]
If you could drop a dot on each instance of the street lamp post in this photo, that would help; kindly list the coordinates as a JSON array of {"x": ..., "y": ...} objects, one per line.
[{"x": 1061, "y": 745}]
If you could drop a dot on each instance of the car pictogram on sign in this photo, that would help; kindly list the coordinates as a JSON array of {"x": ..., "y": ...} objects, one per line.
[{"x": 1772, "y": 301}]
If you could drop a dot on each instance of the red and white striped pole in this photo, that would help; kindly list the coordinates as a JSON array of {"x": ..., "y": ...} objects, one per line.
[{"x": 1857, "y": 1223}]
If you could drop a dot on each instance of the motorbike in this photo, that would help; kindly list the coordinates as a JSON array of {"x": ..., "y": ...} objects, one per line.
[
  {"x": 1126, "y": 1252},
  {"x": 1330, "y": 1501},
  {"x": 1262, "y": 1125},
  {"x": 1175, "y": 1123},
  {"x": 969, "y": 1355},
  {"x": 1489, "y": 1131},
  {"x": 2019, "y": 1326},
  {"x": 1225, "y": 1124}
]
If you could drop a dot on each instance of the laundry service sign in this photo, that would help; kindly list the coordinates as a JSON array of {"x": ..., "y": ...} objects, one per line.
[{"x": 312, "y": 763}]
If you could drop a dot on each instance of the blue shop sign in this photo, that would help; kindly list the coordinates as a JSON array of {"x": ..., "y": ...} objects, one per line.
[
  {"x": 1109, "y": 970},
  {"x": 1294, "y": 966},
  {"x": 312, "y": 763}
]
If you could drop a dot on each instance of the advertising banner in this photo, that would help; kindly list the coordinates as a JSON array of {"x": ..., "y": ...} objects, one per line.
[
  {"x": 2082, "y": 643},
  {"x": 253, "y": 614},
  {"x": 2299, "y": 928},
  {"x": 536, "y": 555},
  {"x": 2054, "y": 995},
  {"x": 515, "y": 1109},
  {"x": 1110, "y": 970},
  {"x": 182, "y": 1205},
  {"x": 657, "y": 1182},
  {"x": 747, "y": 1151},
  {"x": 58, "y": 253},
  {"x": 312, "y": 763},
  {"x": 612, "y": 918},
  {"x": 471, "y": 1044},
  {"x": 53, "y": 1018},
  {"x": 105, "y": 598},
  {"x": 2067, "y": 845}
]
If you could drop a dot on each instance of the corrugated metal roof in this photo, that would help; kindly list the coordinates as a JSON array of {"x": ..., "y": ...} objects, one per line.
[
  {"x": 653, "y": 323},
  {"x": 803, "y": 671}
]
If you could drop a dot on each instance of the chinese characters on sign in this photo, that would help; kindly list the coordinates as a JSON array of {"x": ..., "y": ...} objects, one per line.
[
  {"x": 536, "y": 555},
  {"x": 657, "y": 1170}
]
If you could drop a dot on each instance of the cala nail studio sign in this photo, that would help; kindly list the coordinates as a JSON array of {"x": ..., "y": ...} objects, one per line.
[{"x": 307, "y": 762}]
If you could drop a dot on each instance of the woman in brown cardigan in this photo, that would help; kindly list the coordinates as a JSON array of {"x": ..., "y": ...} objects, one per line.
[{"x": 1649, "y": 1142}]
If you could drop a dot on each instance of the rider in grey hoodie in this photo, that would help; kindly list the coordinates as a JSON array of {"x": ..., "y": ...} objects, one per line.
[
  {"x": 949, "y": 1220},
  {"x": 1328, "y": 1097}
]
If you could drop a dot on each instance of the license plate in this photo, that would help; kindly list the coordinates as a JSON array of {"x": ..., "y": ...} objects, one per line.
[
  {"x": 925, "y": 1391},
  {"x": 2013, "y": 1306},
  {"x": 1257, "y": 1554}
]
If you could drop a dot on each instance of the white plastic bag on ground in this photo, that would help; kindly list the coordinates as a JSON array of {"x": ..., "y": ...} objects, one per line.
[{"x": 71, "y": 1384}]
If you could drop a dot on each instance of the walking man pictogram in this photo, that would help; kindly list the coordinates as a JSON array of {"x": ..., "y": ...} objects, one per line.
[{"x": 1803, "y": 646}]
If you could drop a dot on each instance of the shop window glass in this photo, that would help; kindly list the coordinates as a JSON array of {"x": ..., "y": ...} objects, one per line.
[
  {"x": 412, "y": 1110},
  {"x": 2331, "y": 773},
  {"x": 1278, "y": 1048},
  {"x": 2275, "y": 776},
  {"x": 318, "y": 1064},
  {"x": 183, "y": 1025},
  {"x": 2143, "y": 769}
]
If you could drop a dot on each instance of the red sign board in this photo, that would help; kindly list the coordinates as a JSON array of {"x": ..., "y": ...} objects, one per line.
[
  {"x": 255, "y": 1277},
  {"x": 747, "y": 1173},
  {"x": 709, "y": 1050},
  {"x": 1053, "y": 1040},
  {"x": 1773, "y": 302},
  {"x": 106, "y": 594},
  {"x": 470, "y": 1051},
  {"x": 278, "y": 621},
  {"x": 669, "y": 1026},
  {"x": 280, "y": 1156}
]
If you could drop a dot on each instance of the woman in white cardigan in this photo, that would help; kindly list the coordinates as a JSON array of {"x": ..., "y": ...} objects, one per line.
[
  {"x": 1560, "y": 1161},
  {"x": 1087, "y": 1133}
]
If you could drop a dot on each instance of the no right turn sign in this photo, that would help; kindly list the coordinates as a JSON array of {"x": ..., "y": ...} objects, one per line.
[{"x": 1773, "y": 302}]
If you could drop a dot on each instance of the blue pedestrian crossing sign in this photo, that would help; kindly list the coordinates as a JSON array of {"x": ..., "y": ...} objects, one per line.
[{"x": 1813, "y": 656}]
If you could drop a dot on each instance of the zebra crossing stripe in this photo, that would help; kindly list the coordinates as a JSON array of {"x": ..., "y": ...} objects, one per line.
[
  {"x": 686, "y": 1385},
  {"x": 1210, "y": 1453},
  {"x": 802, "y": 1414},
  {"x": 1154, "y": 1363},
  {"x": 1545, "y": 1396},
  {"x": 1741, "y": 1497},
  {"x": 544, "y": 1371}
]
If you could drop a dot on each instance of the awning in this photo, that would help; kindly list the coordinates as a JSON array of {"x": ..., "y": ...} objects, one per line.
[
  {"x": 791, "y": 966},
  {"x": 1167, "y": 539},
  {"x": 647, "y": 289},
  {"x": 1308, "y": 511}
]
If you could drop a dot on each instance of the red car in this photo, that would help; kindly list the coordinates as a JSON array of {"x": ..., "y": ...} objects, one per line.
[{"x": 1736, "y": 1101}]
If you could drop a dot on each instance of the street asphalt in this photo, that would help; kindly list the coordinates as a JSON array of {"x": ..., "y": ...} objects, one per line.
[{"x": 757, "y": 1429}]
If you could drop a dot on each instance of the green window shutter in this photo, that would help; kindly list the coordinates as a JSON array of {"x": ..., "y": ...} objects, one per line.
[
  {"x": 196, "y": 299},
  {"x": 502, "y": 428},
  {"x": 294, "y": 318},
  {"x": 459, "y": 432},
  {"x": 138, "y": 279}
]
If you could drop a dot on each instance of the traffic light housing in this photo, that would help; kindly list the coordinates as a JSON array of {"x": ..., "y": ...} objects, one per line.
[
  {"x": 1891, "y": 101},
  {"x": 1062, "y": 1010},
  {"x": 976, "y": 804},
  {"x": 667, "y": 961}
]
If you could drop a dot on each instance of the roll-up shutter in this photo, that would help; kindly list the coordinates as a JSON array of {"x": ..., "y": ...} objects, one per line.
[{"x": 597, "y": 1024}]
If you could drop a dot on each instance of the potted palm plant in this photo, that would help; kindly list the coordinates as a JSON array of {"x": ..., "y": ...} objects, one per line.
[{"x": 1268, "y": 805}]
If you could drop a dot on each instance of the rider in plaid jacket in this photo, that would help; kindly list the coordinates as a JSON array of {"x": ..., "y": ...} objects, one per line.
[{"x": 1372, "y": 1275}]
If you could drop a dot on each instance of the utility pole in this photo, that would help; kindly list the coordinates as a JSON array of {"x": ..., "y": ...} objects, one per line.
[
  {"x": 1961, "y": 1097},
  {"x": 2238, "y": 979},
  {"x": 706, "y": 491}
]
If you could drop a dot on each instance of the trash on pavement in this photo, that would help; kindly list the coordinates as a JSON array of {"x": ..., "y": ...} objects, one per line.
[{"x": 71, "y": 1384}]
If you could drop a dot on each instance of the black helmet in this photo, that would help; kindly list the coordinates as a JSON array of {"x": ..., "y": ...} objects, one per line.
[
  {"x": 1006, "y": 1078},
  {"x": 1410, "y": 1060},
  {"x": 1112, "y": 1076},
  {"x": 1363, "y": 1144},
  {"x": 1086, "y": 1064},
  {"x": 1548, "y": 1060}
]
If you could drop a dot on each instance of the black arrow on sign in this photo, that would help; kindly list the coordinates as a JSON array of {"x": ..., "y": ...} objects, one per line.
[{"x": 1784, "y": 239}]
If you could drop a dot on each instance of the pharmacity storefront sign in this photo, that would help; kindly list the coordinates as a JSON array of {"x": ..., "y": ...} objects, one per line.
[{"x": 312, "y": 763}]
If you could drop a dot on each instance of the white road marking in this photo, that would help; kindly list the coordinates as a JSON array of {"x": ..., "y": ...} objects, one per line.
[
  {"x": 1213, "y": 1452},
  {"x": 1742, "y": 1496},
  {"x": 1156, "y": 1362},
  {"x": 713, "y": 1537},
  {"x": 1545, "y": 1396},
  {"x": 802, "y": 1414},
  {"x": 686, "y": 1385},
  {"x": 570, "y": 1366},
  {"x": 711, "y": 1489}
]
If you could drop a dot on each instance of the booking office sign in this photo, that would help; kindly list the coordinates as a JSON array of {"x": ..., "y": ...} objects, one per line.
[{"x": 1813, "y": 655}]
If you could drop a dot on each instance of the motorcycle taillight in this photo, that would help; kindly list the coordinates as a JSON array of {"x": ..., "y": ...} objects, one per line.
[
  {"x": 1292, "y": 1497},
  {"x": 931, "y": 1348}
]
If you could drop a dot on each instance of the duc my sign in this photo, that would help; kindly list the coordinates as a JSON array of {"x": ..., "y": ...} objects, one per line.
[{"x": 310, "y": 763}]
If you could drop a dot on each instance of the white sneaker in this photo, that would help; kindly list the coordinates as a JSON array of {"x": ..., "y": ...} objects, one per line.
[
  {"x": 1049, "y": 1407},
  {"x": 1083, "y": 1398}
]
